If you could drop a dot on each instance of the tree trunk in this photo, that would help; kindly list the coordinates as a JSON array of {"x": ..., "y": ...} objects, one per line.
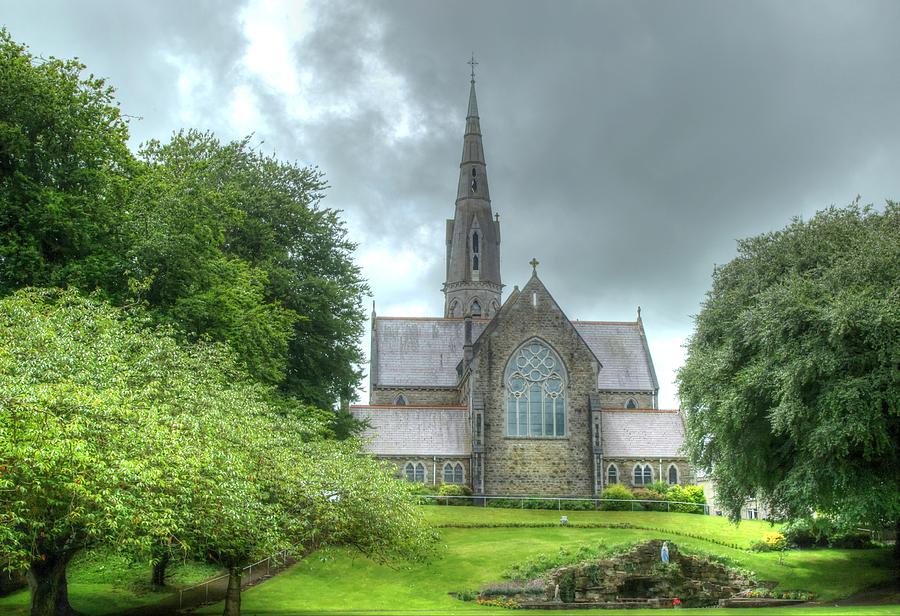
[
  {"x": 158, "y": 578},
  {"x": 233, "y": 594},
  {"x": 49, "y": 589}
]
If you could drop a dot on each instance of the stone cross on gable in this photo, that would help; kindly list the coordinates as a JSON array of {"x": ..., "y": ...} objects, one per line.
[
  {"x": 473, "y": 64},
  {"x": 534, "y": 263}
]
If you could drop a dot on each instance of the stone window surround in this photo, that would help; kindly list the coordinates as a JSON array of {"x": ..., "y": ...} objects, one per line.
[
  {"x": 672, "y": 466},
  {"x": 453, "y": 466},
  {"x": 564, "y": 395},
  {"x": 415, "y": 464},
  {"x": 614, "y": 467},
  {"x": 643, "y": 468}
]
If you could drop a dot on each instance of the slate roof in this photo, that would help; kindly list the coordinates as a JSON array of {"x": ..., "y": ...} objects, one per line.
[
  {"x": 424, "y": 352},
  {"x": 416, "y": 430},
  {"x": 641, "y": 433},
  {"x": 419, "y": 352},
  {"x": 623, "y": 353}
]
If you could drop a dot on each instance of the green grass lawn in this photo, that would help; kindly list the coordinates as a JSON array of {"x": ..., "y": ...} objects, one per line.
[
  {"x": 103, "y": 582},
  {"x": 338, "y": 581}
]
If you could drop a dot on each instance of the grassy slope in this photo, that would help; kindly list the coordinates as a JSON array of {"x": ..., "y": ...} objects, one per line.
[
  {"x": 336, "y": 580},
  {"x": 102, "y": 582}
]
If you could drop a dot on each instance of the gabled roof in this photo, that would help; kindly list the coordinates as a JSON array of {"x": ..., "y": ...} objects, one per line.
[
  {"x": 623, "y": 354},
  {"x": 419, "y": 352},
  {"x": 416, "y": 430},
  {"x": 424, "y": 352},
  {"x": 641, "y": 433}
]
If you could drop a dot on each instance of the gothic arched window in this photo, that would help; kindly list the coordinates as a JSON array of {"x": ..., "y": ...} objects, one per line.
[
  {"x": 643, "y": 475},
  {"x": 612, "y": 474},
  {"x": 415, "y": 471},
  {"x": 401, "y": 400},
  {"x": 475, "y": 242},
  {"x": 453, "y": 473},
  {"x": 454, "y": 309},
  {"x": 476, "y": 308},
  {"x": 475, "y": 263},
  {"x": 631, "y": 404},
  {"x": 673, "y": 474},
  {"x": 535, "y": 392}
]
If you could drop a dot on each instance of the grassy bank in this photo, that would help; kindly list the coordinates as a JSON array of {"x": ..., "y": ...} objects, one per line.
[{"x": 339, "y": 581}]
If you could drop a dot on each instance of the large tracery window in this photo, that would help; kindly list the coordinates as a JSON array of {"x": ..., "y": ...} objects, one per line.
[{"x": 535, "y": 392}]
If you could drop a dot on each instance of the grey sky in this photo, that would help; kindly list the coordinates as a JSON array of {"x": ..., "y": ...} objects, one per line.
[{"x": 629, "y": 144}]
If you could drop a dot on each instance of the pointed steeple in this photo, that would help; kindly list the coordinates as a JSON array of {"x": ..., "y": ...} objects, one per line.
[
  {"x": 473, "y": 236},
  {"x": 473, "y": 182}
]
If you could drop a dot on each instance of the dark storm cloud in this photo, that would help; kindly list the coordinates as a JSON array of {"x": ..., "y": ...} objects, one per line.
[{"x": 629, "y": 144}]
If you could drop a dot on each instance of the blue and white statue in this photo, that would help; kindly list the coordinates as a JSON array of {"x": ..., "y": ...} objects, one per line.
[{"x": 664, "y": 553}]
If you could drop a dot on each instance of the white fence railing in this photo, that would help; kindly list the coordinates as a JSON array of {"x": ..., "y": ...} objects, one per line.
[{"x": 633, "y": 504}]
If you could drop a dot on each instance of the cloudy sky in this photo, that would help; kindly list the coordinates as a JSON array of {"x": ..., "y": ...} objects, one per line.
[{"x": 629, "y": 144}]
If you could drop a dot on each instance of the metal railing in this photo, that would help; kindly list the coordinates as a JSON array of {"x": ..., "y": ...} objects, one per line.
[
  {"x": 263, "y": 569},
  {"x": 634, "y": 504}
]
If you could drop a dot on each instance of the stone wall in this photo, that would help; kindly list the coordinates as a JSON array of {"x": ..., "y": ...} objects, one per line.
[
  {"x": 427, "y": 397},
  {"x": 641, "y": 574},
  {"x": 430, "y": 463},
  {"x": 626, "y": 466},
  {"x": 556, "y": 466},
  {"x": 619, "y": 399}
]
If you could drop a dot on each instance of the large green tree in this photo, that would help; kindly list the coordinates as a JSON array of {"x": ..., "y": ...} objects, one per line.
[
  {"x": 791, "y": 386},
  {"x": 112, "y": 432},
  {"x": 234, "y": 244},
  {"x": 216, "y": 239},
  {"x": 63, "y": 164}
]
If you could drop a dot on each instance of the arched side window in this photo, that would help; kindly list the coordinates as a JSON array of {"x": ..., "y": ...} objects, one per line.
[
  {"x": 415, "y": 471},
  {"x": 475, "y": 263},
  {"x": 453, "y": 473},
  {"x": 454, "y": 309},
  {"x": 476, "y": 308},
  {"x": 448, "y": 473},
  {"x": 401, "y": 400},
  {"x": 495, "y": 307},
  {"x": 612, "y": 474},
  {"x": 475, "y": 242},
  {"x": 643, "y": 475},
  {"x": 535, "y": 392},
  {"x": 673, "y": 474},
  {"x": 631, "y": 403}
]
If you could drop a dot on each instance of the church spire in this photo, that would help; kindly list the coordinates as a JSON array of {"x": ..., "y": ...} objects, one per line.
[
  {"x": 473, "y": 236},
  {"x": 472, "y": 168}
]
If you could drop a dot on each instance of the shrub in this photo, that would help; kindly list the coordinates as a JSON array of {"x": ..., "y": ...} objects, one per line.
[
  {"x": 619, "y": 492},
  {"x": 649, "y": 494},
  {"x": 536, "y": 503},
  {"x": 454, "y": 489},
  {"x": 686, "y": 494},
  {"x": 851, "y": 540},
  {"x": 467, "y": 595},
  {"x": 660, "y": 487},
  {"x": 775, "y": 540},
  {"x": 809, "y": 532}
]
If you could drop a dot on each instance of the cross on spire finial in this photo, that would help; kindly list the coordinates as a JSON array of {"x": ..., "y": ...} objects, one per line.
[
  {"x": 534, "y": 263},
  {"x": 473, "y": 64}
]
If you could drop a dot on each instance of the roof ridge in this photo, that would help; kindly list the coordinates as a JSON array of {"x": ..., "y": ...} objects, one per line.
[
  {"x": 409, "y": 406},
  {"x": 619, "y": 410},
  {"x": 605, "y": 322},
  {"x": 460, "y": 319}
]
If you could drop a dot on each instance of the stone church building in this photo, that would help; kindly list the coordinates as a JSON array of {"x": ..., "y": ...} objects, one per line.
[{"x": 512, "y": 397}]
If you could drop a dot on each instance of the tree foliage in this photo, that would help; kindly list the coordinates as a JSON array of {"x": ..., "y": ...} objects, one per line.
[
  {"x": 115, "y": 433},
  {"x": 216, "y": 239},
  {"x": 791, "y": 387},
  {"x": 63, "y": 162}
]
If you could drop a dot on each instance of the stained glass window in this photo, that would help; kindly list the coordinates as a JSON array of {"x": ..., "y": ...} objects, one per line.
[{"x": 536, "y": 392}]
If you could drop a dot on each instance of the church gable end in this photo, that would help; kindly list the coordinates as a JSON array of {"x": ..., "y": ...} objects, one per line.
[{"x": 535, "y": 462}]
